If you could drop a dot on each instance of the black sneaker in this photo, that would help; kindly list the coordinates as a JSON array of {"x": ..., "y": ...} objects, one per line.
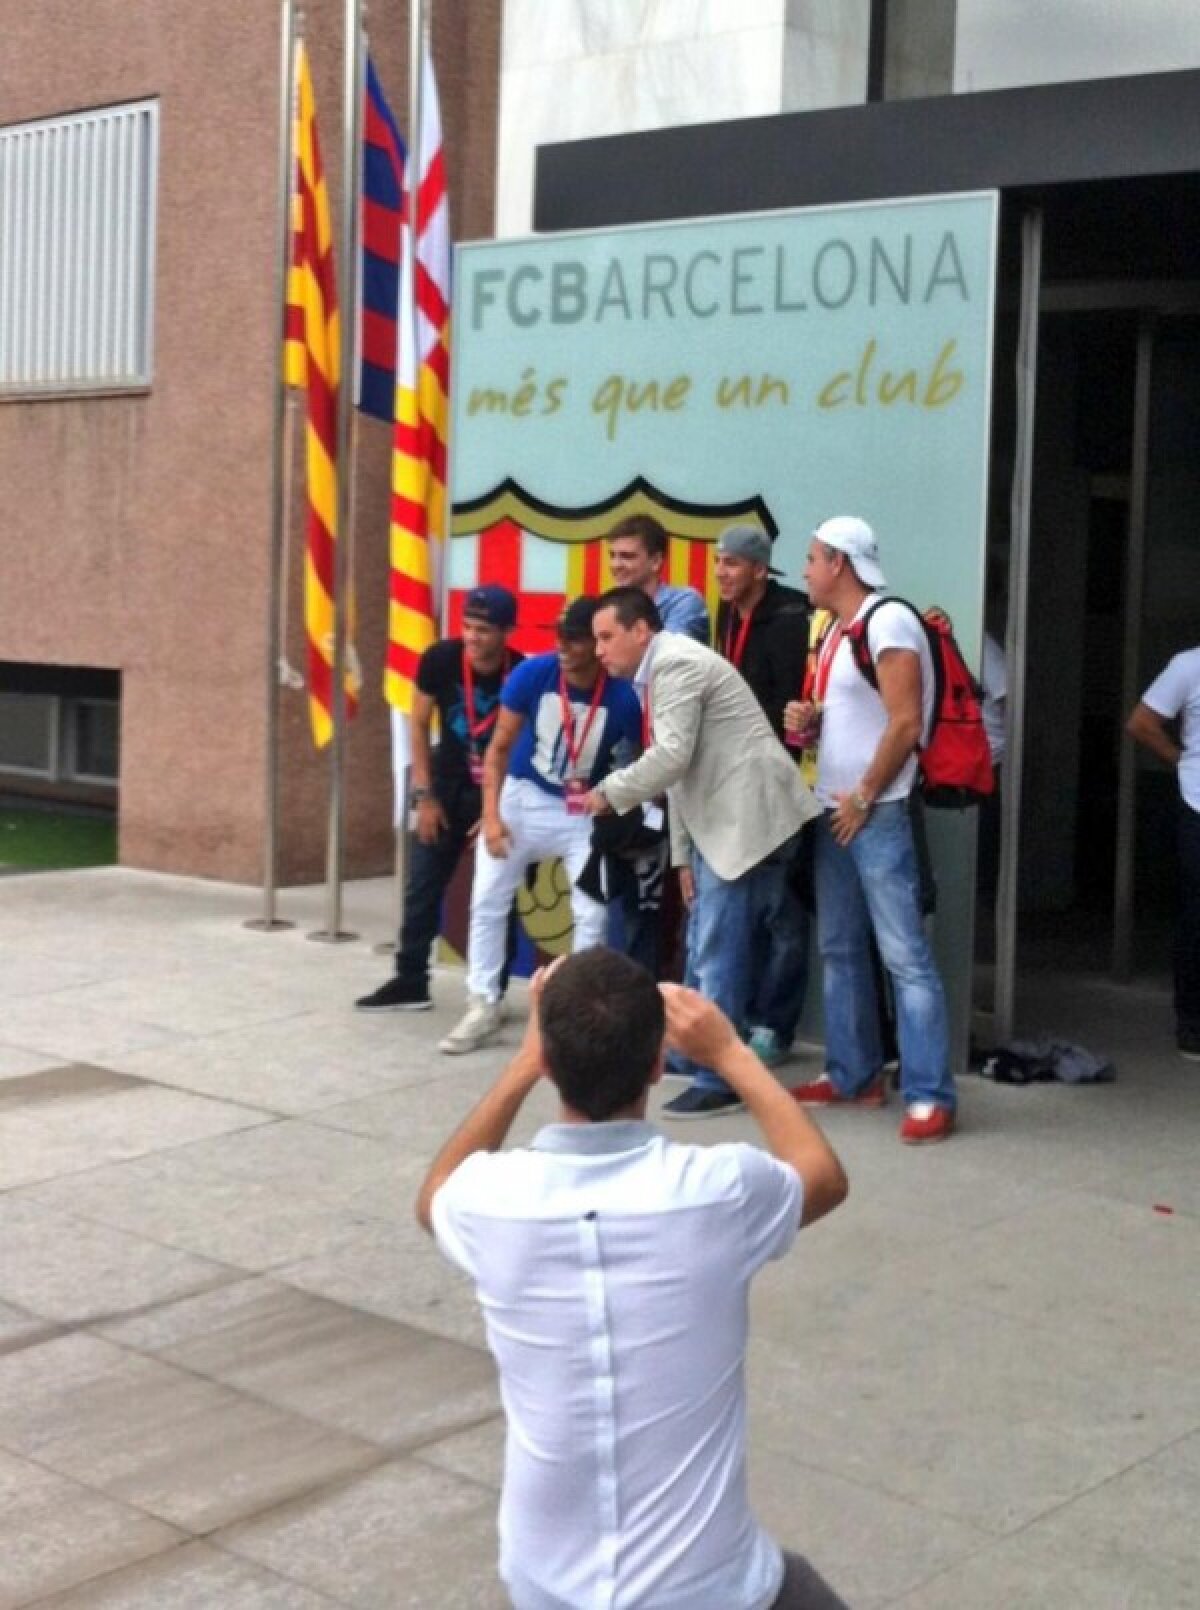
[
  {"x": 397, "y": 995},
  {"x": 702, "y": 1101}
]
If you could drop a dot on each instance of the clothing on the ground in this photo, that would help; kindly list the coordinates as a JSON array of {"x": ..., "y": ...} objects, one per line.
[
  {"x": 773, "y": 649},
  {"x": 1023, "y": 1062},
  {"x": 682, "y": 609},
  {"x": 1175, "y": 692},
  {"x": 871, "y": 886},
  {"x": 612, "y": 1268},
  {"x": 855, "y": 718},
  {"x": 540, "y": 752},
  {"x": 539, "y": 830},
  {"x": 804, "y": 1589},
  {"x": 440, "y": 676}
]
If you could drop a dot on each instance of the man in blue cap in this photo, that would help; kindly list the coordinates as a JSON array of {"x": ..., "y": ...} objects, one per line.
[{"x": 461, "y": 679}]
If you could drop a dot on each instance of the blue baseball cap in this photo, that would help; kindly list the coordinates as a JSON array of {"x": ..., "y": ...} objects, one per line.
[{"x": 495, "y": 606}]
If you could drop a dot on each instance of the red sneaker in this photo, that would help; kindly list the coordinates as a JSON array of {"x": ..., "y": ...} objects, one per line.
[
  {"x": 923, "y": 1122},
  {"x": 823, "y": 1092}
]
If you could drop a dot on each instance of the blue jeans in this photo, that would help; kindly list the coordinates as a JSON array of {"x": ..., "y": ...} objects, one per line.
[
  {"x": 1187, "y": 930},
  {"x": 720, "y": 953},
  {"x": 779, "y": 940},
  {"x": 872, "y": 884}
]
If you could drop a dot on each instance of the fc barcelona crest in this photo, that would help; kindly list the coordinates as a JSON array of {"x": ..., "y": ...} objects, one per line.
[{"x": 547, "y": 554}]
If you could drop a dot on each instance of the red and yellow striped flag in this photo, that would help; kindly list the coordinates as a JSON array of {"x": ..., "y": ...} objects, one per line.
[
  {"x": 311, "y": 360},
  {"x": 418, "y": 511}
]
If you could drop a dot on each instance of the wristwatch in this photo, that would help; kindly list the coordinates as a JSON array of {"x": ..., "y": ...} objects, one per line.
[{"x": 860, "y": 802}]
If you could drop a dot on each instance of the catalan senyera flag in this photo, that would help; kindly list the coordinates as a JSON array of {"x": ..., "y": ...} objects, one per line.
[
  {"x": 382, "y": 215},
  {"x": 311, "y": 360},
  {"x": 418, "y": 507}
]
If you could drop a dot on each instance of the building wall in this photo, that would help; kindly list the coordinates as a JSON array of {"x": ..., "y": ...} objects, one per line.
[
  {"x": 575, "y": 69},
  {"x": 137, "y": 527},
  {"x": 1000, "y": 44}
]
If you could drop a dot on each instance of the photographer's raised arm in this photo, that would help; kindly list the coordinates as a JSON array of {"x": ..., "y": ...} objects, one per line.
[{"x": 702, "y": 1032}]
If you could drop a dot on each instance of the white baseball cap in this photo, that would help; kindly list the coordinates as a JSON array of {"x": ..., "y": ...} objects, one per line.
[{"x": 854, "y": 537}]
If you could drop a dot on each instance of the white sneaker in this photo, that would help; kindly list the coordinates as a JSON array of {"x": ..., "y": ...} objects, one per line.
[{"x": 479, "y": 1023}]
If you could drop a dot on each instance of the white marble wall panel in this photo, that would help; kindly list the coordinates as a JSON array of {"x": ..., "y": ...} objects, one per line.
[
  {"x": 722, "y": 75},
  {"x": 824, "y": 54},
  {"x": 565, "y": 30}
]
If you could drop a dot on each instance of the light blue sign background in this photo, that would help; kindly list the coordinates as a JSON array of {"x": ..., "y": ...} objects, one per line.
[{"x": 831, "y": 360}]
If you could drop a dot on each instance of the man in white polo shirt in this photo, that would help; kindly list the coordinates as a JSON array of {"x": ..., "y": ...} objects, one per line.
[
  {"x": 612, "y": 1268},
  {"x": 1174, "y": 695}
]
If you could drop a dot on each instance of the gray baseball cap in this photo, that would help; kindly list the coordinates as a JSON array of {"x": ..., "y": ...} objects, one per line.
[{"x": 747, "y": 542}]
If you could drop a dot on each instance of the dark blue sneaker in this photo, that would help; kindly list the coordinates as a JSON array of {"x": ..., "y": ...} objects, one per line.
[{"x": 702, "y": 1101}]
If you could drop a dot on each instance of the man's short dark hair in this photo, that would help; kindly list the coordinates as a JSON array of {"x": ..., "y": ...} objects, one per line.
[
  {"x": 602, "y": 1022},
  {"x": 631, "y": 604},
  {"x": 650, "y": 533}
]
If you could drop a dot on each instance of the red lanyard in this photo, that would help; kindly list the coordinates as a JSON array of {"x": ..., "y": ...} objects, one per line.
[
  {"x": 574, "y": 750},
  {"x": 476, "y": 729},
  {"x": 736, "y": 647},
  {"x": 820, "y": 664},
  {"x": 647, "y": 719}
]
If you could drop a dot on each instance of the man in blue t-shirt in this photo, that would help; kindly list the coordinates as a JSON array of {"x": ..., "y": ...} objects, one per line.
[{"x": 562, "y": 720}]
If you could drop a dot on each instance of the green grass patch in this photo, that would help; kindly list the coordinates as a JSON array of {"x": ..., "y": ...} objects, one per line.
[{"x": 34, "y": 839}]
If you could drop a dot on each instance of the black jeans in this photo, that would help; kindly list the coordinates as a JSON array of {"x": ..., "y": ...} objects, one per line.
[
  {"x": 430, "y": 869},
  {"x": 1187, "y": 931}
]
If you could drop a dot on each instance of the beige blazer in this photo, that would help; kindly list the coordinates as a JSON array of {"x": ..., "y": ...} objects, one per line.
[{"x": 734, "y": 791}]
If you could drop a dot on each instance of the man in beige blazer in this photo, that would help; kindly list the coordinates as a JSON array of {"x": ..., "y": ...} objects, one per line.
[{"x": 737, "y": 801}]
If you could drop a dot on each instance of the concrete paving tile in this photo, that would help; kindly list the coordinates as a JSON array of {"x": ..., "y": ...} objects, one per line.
[
  {"x": 192, "y": 1206},
  {"x": 1130, "y": 1544},
  {"x": 24, "y": 974},
  {"x": 17, "y": 1062},
  {"x": 403, "y": 1537},
  {"x": 361, "y": 1175},
  {"x": 1040, "y": 1266},
  {"x": 294, "y": 1066},
  {"x": 73, "y": 1033},
  {"x": 48, "y": 1138},
  {"x": 970, "y": 1414},
  {"x": 477, "y": 1454},
  {"x": 420, "y": 1119},
  {"x": 19, "y": 1329},
  {"x": 198, "y": 1000},
  {"x": 868, "y": 1545},
  {"x": 397, "y": 1272},
  {"x": 54, "y": 1533},
  {"x": 194, "y": 1576},
  {"x": 380, "y": 1380},
  {"x": 60, "y": 1267},
  {"x": 184, "y": 1449}
]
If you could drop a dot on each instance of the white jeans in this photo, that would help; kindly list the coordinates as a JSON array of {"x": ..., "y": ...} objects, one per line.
[{"x": 540, "y": 830}]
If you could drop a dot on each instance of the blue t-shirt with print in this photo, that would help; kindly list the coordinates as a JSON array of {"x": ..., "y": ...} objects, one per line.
[{"x": 539, "y": 754}]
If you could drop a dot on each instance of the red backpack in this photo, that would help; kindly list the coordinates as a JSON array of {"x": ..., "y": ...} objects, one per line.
[{"x": 955, "y": 765}]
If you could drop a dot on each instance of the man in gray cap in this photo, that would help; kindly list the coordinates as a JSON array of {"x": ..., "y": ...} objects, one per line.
[
  {"x": 762, "y": 630},
  {"x": 866, "y": 865}
]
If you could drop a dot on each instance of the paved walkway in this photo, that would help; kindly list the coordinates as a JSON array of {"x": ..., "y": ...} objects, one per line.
[{"x": 234, "y": 1374}]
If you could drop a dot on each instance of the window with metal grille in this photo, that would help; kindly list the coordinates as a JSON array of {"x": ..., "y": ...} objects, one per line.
[{"x": 77, "y": 225}]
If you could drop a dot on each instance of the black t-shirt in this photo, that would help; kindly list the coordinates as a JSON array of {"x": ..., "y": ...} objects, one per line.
[{"x": 440, "y": 676}]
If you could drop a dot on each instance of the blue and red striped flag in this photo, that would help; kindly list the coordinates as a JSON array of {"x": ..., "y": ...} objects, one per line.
[{"x": 382, "y": 218}]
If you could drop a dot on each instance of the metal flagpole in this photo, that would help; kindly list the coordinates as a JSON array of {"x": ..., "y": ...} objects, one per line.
[
  {"x": 281, "y": 477},
  {"x": 407, "y": 328},
  {"x": 333, "y": 933},
  {"x": 1015, "y": 637}
]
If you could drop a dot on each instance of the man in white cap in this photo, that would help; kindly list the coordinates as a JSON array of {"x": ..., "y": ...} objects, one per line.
[{"x": 866, "y": 865}]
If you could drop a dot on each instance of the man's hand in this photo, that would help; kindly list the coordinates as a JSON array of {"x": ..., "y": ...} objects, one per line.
[
  {"x": 531, "y": 1044},
  {"x": 798, "y": 715},
  {"x": 687, "y": 886},
  {"x": 696, "y": 1027},
  {"x": 497, "y": 837},
  {"x": 595, "y": 804},
  {"x": 431, "y": 820},
  {"x": 847, "y": 819}
]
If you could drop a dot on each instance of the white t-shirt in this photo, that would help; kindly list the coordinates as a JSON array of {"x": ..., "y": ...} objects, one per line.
[
  {"x": 1175, "y": 691},
  {"x": 855, "y": 719},
  {"x": 993, "y": 679},
  {"x": 612, "y": 1268}
]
